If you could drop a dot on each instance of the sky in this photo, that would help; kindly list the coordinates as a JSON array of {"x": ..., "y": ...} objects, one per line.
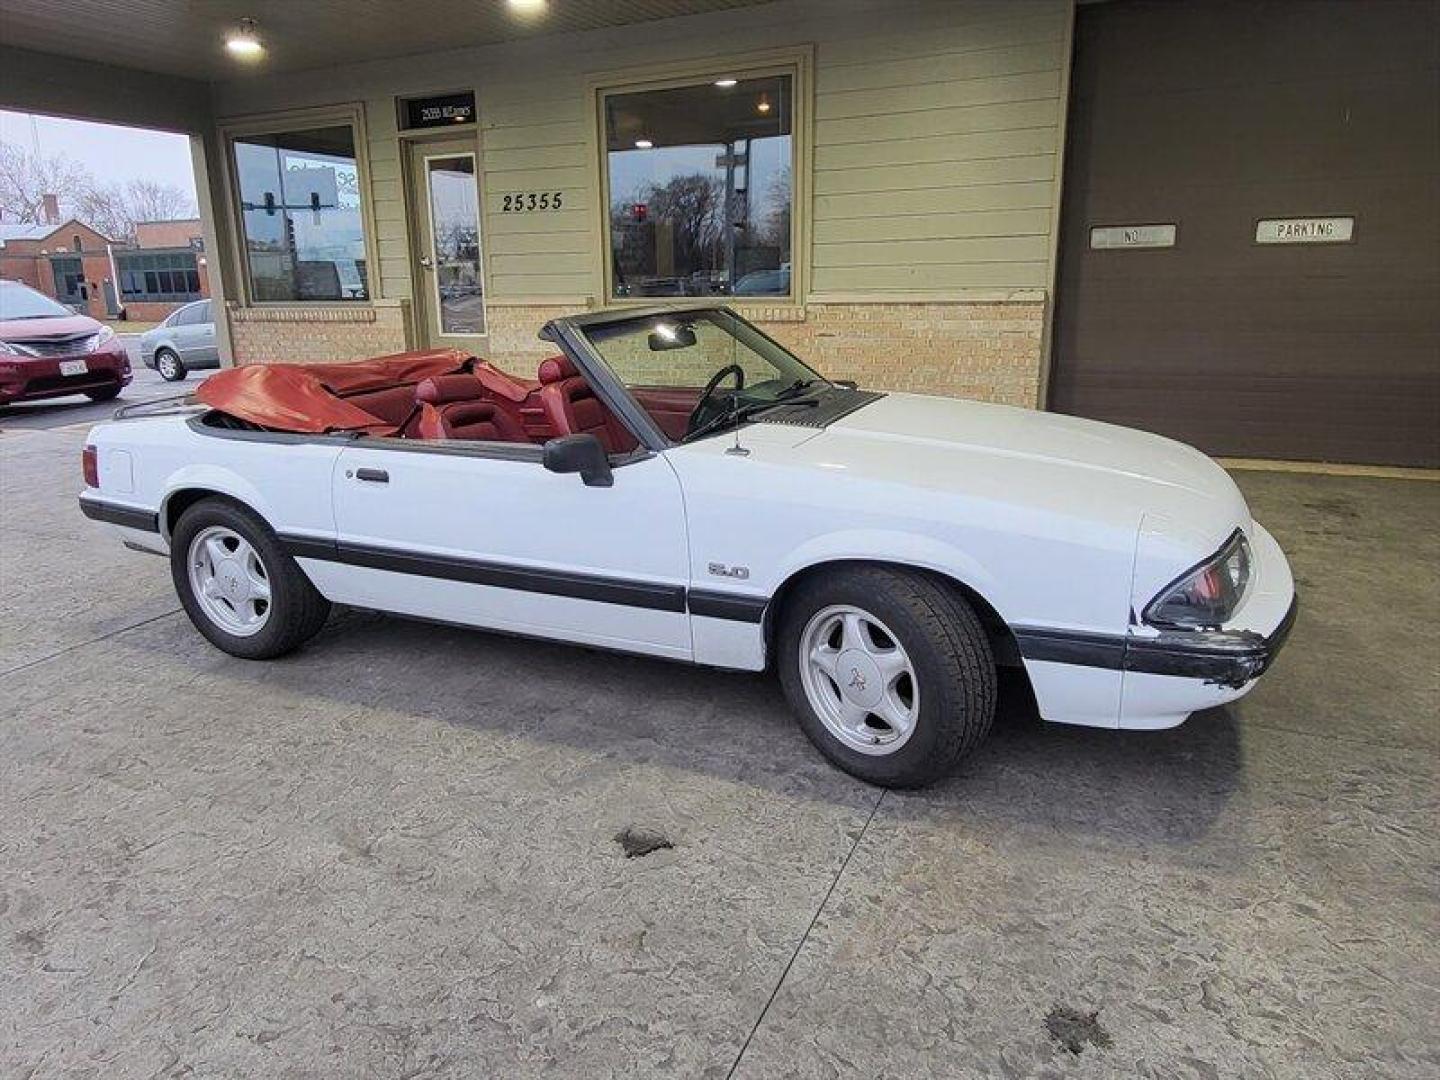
[
  {"x": 109, "y": 152},
  {"x": 632, "y": 171}
]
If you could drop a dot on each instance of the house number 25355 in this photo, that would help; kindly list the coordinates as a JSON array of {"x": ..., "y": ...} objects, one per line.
[{"x": 520, "y": 202}]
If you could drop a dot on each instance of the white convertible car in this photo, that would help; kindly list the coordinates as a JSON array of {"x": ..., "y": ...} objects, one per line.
[{"x": 676, "y": 483}]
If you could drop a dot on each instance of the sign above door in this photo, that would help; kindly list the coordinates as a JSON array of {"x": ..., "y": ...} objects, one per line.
[{"x": 442, "y": 110}]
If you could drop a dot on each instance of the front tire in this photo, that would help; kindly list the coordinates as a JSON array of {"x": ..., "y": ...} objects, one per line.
[
  {"x": 169, "y": 365},
  {"x": 889, "y": 672},
  {"x": 240, "y": 589}
]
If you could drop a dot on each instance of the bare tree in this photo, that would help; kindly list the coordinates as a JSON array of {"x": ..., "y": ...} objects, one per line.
[
  {"x": 775, "y": 230},
  {"x": 115, "y": 209},
  {"x": 694, "y": 205},
  {"x": 112, "y": 209},
  {"x": 25, "y": 180}
]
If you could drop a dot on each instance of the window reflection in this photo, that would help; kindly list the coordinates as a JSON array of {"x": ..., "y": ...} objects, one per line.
[
  {"x": 300, "y": 211},
  {"x": 700, "y": 189},
  {"x": 455, "y": 228}
]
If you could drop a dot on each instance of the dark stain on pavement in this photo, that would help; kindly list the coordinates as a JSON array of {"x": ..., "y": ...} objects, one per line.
[
  {"x": 638, "y": 842},
  {"x": 1072, "y": 1029},
  {"x": 1333, "y": 507}
]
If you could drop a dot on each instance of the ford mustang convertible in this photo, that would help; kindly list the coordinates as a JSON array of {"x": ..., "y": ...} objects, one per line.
[{"x": 675, "y": 483}]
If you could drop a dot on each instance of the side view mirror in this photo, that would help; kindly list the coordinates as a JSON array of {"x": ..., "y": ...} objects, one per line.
[{"x": 581, "y": 454}]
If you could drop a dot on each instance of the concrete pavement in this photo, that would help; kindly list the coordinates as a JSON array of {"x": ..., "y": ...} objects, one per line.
[{"x": 393, "y": 853}]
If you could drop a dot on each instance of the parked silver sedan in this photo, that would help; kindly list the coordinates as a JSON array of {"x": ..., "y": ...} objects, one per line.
[{"x": 182, "y": 343}]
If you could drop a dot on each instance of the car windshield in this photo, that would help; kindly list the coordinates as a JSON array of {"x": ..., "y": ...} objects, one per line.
[
  {"x": 22, "y": 302},
  {"x": 709, "y": 365}
]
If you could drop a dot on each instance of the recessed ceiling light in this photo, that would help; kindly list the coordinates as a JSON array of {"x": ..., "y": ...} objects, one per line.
[
  {"x": 244, "y": 42},
  {"x": 643, "y": 144},
  {"x": 725, "y": 83},
  {"x": 527, "y": 7}
]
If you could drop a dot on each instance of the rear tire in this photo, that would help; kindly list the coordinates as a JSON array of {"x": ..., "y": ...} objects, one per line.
[
  {"x": 889, "y": 672},
  {"x": 169, "y": 365},
  {"x": 292, "y": 611}
]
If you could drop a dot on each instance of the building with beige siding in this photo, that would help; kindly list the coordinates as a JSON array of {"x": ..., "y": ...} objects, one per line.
[
  {"x": 897, "y": 189},
  {"x": 923, "y": 159}
]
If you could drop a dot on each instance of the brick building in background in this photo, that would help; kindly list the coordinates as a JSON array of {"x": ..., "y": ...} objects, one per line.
[
  {"x": 67, "y": 260},
  {"x": 86, "y": 270},
  {"x": 165, "y": 268}
]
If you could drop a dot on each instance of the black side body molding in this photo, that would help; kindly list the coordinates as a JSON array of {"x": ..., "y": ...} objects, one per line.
[
  {"x": 626, "y": 592},
  {"x": 718, "y": 605},
  {"x": 129, "y": 516},
  {"x": 654, "y": 596}
]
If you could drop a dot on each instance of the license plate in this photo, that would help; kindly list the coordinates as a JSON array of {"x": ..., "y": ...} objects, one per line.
[{"x": 73, "y": 367}]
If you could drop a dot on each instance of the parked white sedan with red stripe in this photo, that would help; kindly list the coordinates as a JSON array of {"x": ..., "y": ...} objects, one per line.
[{"x": 675, "y": 483}]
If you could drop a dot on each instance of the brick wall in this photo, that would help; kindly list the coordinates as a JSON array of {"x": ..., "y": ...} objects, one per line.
[
  {"x": 314, "y": 334},
  {"x": 23, "y": 268},
  {"x": 514, "y": 344},
  {"x": 166, "y": 234},
  {"x": 988, "y": 351},
  {"x": 985, "y": 351}
]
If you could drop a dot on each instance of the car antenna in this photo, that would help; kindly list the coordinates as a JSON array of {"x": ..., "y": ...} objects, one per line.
[{"x": 736, "y": 450}]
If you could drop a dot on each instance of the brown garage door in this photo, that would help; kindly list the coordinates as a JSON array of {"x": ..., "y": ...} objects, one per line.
[{"x": 1212, "y": 116}]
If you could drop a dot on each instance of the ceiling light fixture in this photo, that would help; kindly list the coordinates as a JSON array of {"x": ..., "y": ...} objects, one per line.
[
  {"x": 725, "y": 83},
  {"x": 527, "y": 7},
  {"x": 763, "y": 105},
  {"x": 244, "y": 42},
  {"x": 643, "y": 144}
]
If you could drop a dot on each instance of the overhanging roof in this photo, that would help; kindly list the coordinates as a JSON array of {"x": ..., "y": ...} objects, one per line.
[{"x": 185, "y": 37}]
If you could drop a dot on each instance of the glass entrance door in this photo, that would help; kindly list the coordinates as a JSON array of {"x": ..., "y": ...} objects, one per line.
[{"x": 450, "y": 275}]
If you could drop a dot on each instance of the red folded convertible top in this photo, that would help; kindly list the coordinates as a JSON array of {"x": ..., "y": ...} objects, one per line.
[{"x": 307, "y": 397}]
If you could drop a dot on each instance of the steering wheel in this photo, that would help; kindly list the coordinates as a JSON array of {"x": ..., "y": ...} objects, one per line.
[{"x": 698, "y": 417}]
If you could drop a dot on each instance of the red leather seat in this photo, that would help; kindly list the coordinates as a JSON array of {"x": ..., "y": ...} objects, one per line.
[
  {"x": 454, "y": 407},
  {"x": 572, "y": 408},
  {"x": 393, "y": 404}
]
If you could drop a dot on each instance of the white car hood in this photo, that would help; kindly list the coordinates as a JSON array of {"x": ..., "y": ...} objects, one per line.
[{"x": 1046, "y": 461}]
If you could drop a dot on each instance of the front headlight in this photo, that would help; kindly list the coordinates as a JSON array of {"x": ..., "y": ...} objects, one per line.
[
  {"x": 102, "y": 338},
  {"x": 1204, "y": 597}
]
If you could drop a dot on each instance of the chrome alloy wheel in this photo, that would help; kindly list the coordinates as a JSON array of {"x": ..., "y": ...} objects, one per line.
[
  {"x": 168, "y": 367},
  {"x": 229, "y": 581},
  {"x": 859, "y": 679}
]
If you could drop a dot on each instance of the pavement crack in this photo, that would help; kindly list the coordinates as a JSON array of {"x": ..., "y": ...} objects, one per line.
[
  {"x": 84, "y": 644},
  {"x": 775, "y": 992}
]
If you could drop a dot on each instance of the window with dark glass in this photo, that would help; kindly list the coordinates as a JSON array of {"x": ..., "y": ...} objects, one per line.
[
  {"x": 701, "y": 191},
  {"x": 165, "y": 276},
  {"x": 300, "y": 213}
]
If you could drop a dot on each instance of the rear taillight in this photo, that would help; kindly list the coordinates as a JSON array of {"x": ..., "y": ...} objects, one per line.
[{"x": 90, "y": 464}]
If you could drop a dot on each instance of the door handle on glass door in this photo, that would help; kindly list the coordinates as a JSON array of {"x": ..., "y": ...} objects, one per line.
[{"x": 427, "y": 262}]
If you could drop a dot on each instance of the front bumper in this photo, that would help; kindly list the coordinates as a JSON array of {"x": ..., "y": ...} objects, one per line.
[
  {"x": 1239, "y": 652},
  {"x": 37, "y": 378},
  {"x": 1147, "y": 678},
  {"x": 1171, "y": 674},
  {"x": 1229, "y": 658}
]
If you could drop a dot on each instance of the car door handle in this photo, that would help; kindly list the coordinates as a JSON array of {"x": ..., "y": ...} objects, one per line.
[{"x": 374, "y": 476}]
